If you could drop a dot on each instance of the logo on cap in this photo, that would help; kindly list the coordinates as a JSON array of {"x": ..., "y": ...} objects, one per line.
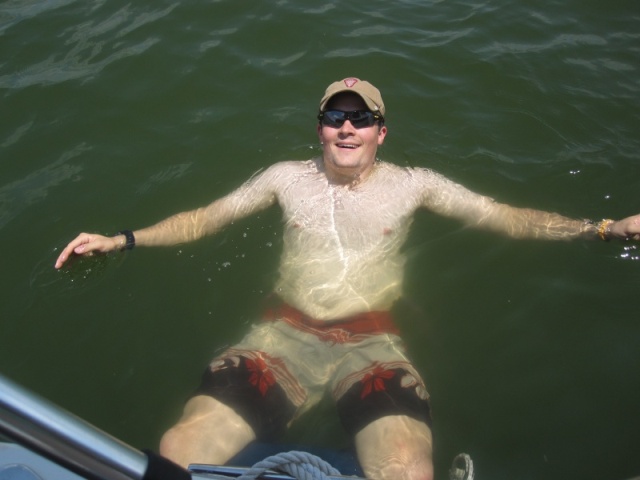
[{"x": 350, "y": 82}]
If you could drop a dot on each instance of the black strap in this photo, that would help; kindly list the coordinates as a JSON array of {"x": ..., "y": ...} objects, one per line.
[
  {"x": 131, "y": 240},
  {"x": 160, "y": 468}
]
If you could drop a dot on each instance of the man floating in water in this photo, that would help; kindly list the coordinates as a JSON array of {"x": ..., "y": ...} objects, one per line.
[{"x": 346, "y": 216}]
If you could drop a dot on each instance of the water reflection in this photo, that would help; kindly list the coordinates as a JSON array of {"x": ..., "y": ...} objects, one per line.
[
  {"x": 17, "y": 196},
  {"x": 86, "y": 42},
  {"x": 78, "y": 275}
]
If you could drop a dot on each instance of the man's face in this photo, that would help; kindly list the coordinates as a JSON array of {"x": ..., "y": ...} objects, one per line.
[{"x": 350, "y": 151}]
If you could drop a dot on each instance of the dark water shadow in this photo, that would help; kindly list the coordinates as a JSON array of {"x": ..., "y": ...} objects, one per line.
[{"x": 78, "y": 275}]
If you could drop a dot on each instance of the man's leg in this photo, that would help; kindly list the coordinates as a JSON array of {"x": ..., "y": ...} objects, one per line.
[
  {"x": 396, "y": 447},
  {"x": 208, "y": 432}
]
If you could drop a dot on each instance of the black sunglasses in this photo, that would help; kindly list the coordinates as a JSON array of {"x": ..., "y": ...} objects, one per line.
[{"x": 358, "y": 118}]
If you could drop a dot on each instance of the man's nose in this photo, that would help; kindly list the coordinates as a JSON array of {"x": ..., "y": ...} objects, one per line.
[{"x": 347, "y": 126}]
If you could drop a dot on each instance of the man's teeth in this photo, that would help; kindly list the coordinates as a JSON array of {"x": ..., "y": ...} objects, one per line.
[{"x": 346, "y": 145}]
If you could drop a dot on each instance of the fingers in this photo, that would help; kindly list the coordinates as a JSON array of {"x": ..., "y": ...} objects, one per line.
[
  {"x": 76, "y": 243},
  {"x": 630, "y": 228},
  {"x": 84, "y": 244}
]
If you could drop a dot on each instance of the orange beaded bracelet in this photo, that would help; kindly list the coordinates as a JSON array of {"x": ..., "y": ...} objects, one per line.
[{"x": 604, "y": 228}]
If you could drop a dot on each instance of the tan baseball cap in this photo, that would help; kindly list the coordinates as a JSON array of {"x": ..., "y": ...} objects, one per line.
[{"x": 369, "y": 93}]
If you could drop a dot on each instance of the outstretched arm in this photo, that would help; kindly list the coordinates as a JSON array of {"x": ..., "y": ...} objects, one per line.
[
  {"x": 451, "y": 199},
  {"x": 529, "y": 223},
  {"x": 184, "y": 227}
]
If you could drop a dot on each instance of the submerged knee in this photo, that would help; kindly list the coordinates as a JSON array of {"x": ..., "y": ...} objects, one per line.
[
  {"x": 396, "y": 469},
  {"x": 172, "y": 445},
  {"x": 209, "y": 432},
  {"x": 396, "y": 447}
]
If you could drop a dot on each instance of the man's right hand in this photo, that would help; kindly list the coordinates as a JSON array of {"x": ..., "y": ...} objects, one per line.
[{"x": 87, "y": 243}]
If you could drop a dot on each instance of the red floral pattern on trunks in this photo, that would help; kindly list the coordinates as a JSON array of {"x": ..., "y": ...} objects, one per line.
[
  {"x": 261, "y": 377},
  {"x": 375, "y": 381}
]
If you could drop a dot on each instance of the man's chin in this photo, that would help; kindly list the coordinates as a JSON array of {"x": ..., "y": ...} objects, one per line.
[
  {"x": 346, "y": 168},
  {"x": 348, "y": 163},
  {"x": 346, "y": 172}
]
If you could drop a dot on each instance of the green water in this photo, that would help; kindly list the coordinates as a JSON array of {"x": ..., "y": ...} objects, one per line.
[{"x": 115, "y": 114}]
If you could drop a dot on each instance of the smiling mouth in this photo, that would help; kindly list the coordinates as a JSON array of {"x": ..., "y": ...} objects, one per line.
[{"x": 349, "y": 146}]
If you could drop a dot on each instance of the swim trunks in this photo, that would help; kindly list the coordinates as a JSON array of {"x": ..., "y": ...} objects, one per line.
[{"x": 287, "y": 361}]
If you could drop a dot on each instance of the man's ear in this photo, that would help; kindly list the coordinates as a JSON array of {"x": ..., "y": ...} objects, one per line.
[{"x": 382, "y": 133}]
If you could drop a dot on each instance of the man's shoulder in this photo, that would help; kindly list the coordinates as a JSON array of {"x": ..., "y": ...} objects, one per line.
[
  {"x": 296, "y": 164},
  {"x": 288, "y": 167},
  {"x": 408, "y": 171},
  {"x": 284, "y": 168}
]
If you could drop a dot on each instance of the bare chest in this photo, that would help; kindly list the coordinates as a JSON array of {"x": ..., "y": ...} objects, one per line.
[{"x": 357, "y": 216}]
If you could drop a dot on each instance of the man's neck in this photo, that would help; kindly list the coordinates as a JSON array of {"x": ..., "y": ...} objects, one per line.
[{"x": 346, "y": 176}]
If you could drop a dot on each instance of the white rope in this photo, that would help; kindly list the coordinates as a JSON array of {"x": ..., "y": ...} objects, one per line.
[{"x": 300, "y": 465}]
